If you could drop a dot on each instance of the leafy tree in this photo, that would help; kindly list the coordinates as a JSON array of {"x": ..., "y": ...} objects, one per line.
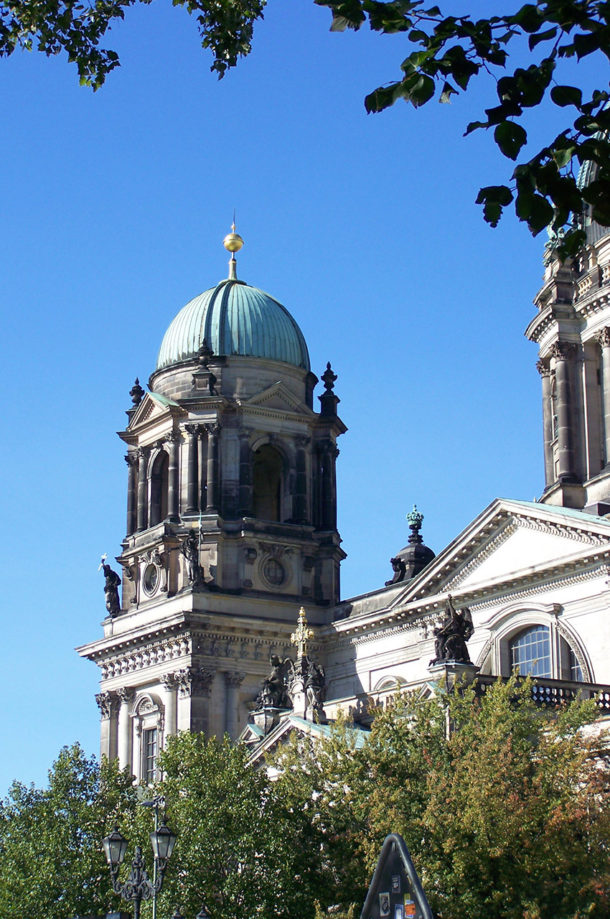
[
  {"x": 508, "y": 817},
  {"x": 51, "y": 858},
  {"x": 445, "y": 52},
  {"x": 238, "y": 850}
]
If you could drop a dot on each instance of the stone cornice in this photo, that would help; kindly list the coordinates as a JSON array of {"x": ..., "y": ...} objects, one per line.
[{"x": 417, "y": 614}]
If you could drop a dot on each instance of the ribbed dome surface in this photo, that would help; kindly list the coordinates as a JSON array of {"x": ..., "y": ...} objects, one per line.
[{"x": 234, "y": 319}]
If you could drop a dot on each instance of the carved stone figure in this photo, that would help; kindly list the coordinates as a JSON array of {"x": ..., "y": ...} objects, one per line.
[
  {"x": 190, "y": 550},
  {"x": 452, "y": 634},
  {"x": 315, "y": 687},
  {"x": 399, "y": 568},
  {"x": 112, "y": 582},
  {"x": 274, "y": 691}
]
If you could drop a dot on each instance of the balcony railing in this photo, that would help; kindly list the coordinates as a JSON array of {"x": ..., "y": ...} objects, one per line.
[{"x": 552, "y": 693}]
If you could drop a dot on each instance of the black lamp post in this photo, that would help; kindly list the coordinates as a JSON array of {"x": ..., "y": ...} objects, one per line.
[{"x": 138, "y": 885}]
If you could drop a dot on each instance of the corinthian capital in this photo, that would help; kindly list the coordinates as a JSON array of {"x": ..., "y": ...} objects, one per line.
[
  {"x": 563, "y": 350},
  {"x": 543, "y": 368},
  {"x": 604, "y": 337}
]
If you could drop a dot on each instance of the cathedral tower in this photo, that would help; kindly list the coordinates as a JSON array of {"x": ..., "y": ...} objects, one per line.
[
  {"x": 572, "y": 330},
  {"x": 231, "y": 522}
]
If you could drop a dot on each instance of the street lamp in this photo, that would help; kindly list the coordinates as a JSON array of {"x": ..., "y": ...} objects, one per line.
[{"x": 138, "y": 885}]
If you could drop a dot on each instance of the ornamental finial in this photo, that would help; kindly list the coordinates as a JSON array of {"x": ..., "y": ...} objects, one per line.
[
  {"x": 302, "y": 635},
  {"x": 233, "y": 243},
  {"x": 415, "y": 519}
]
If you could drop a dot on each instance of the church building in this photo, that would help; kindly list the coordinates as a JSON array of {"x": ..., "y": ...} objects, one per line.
[{"x": 231, "y": 530}]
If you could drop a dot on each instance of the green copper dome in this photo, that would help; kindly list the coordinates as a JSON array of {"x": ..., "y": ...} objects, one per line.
[{"x": 234, "y": 319}]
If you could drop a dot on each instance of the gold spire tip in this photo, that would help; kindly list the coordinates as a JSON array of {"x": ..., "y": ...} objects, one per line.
[{"x": 233, "y": 241}]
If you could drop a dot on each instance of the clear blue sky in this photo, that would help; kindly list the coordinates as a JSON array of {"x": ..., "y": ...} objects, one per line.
[{"x": 113, "y": 209}]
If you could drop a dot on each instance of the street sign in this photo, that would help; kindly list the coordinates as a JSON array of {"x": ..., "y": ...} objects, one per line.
[{"x": 395, "y": 891}]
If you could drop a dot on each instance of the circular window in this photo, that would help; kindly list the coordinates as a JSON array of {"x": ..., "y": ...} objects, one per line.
[
  {"x": 151, "y": 579},
  {"x": 274, "y": 572}
]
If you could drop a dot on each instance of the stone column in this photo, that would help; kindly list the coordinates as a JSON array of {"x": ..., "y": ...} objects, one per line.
[
  {"x": 245, "y": 475},
  {"x": 108, "y": 704},
  {"x": 563, "y": 353},
  {"x": 173, "y": 482},
  {"x": 547, "y": 423},
  {"x": 132, "y": 492},
  {"x": 328, "y": 502},
  {"x": 212, "y": 431},
  {"x": 125, "y": 695},
  {"x": 604, "y": 343},
  {"x": 192, "y": 477},
  {"x": 233, "y": 680},
  {"x": 142, "y": 513},
  {"x": 194, "y": 685},
  {"x": 299, "y": 507},
  {"x": 170, "y": 684}
]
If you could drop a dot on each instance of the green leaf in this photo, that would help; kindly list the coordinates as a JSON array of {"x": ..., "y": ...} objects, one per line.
[
  {"x": 566, "y": 95},
  {"x": 510, "y": 138}
]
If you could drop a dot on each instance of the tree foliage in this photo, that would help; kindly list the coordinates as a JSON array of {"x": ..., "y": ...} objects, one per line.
[
  {"x": 51, "y": 859},
  {"x": 509, "y": 817},
  {"x": 444, "y": 54}
]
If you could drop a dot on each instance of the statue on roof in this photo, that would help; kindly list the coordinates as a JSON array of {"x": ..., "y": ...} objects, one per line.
[
  {"x": 112, "y": 582},
  {"x": 274, "y": 693},
  {"x": 452, "y": 634}
]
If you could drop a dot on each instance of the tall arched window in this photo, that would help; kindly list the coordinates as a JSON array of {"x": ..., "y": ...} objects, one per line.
[
  {"x": 530, "y": 651},
  {"x": 159, "y": 478},
  {"x": 267, "y": 483}
]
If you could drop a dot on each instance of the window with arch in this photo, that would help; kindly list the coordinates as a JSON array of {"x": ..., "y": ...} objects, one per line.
[
  {"x": 267, "y": 483},
  {"x": 539, "y": 651},
  {"x": 530, "y": 651},
  {"x": 159, "y": 483}
]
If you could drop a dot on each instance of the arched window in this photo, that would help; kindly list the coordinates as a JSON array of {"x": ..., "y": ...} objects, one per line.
[
  {"x": 267, "y": 483},
  {"x": 159, "y": 488},
  {"x": 530, "y": 651}
]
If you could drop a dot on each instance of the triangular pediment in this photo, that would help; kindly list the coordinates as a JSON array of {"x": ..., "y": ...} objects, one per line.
[
  {"x": 280, "y": 734},
  {"x": 152, "y": 407},
  {"x": 280, "y": 398},
  {"x": 510, "y": 540}
]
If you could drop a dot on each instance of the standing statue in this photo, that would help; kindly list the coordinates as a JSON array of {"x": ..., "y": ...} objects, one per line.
[
  {"x": 190, "y": 550},
  {"x": 112, "y": 581},
  {"x": 315, "y": 687},
  {"x": 452, "y": 634}
]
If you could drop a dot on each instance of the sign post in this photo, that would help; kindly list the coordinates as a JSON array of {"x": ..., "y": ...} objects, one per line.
[{"x": 395, "y": 891}]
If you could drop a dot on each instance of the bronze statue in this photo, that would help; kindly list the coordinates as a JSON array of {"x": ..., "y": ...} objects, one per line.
[
  {"x": 452, "y": 634},
  {"x": 190, "y": 550},
  {"x": 112, "y": 582},
  {"x": 274, "y": 692}
]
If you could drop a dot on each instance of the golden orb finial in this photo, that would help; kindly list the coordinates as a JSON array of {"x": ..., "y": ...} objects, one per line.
[{"x": 233, "y": 241}]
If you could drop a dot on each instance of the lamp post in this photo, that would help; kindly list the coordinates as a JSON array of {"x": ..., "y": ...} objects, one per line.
[{"x": 138, "y": 885}]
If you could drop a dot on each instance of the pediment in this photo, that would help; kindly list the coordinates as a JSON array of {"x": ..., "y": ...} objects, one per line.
[
  {"x": 280, "y": 398},
  {"x": 508, "y": 541},
  {"x": 281, "y": 733},
  {"x": 152, "y": 407}
]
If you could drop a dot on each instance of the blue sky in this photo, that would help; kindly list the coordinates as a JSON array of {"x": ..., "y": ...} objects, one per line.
[{"x": 113, "y": 209}]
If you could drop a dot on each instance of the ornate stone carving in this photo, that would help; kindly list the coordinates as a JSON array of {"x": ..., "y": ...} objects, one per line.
[
  {"x": 234, "y": 678},
  {"x": 543, "y": 368},
  {"x": 107, "y": 703},
  {"x": 169, "y": 680},
  {"x": 131, "y": 458},
  {"x": 212, "y": 430},
  {"x": 604, "y": 337},
  {"x": 173, "y": 437},
  {"x": 274, "y": 691},
  {"x": 136, "y": 392},
  {"x": 563, "y": 350},
  {"x": 193, "y": 680},
  {"x": 301, "y": 440},
  {"x": 125, "y": 694}
]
